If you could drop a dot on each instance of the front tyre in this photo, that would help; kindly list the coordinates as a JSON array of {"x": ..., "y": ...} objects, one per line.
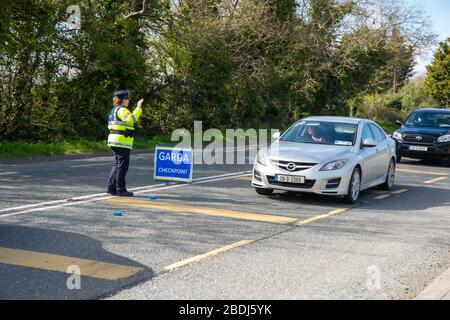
[
  {"x": 390, "y": 177},
  {"x": 354, "y": 187},
  {"x": 264, "y": 192},
  {"x": 398, "y": 153}
]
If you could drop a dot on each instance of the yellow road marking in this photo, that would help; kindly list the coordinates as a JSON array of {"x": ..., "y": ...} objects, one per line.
[
  {"x": 322, "y": 216},
  {"x": 377, "y": 191},
  {"x": 435, "y": 180},
  {"x": 337, "y": 211},
  {"x": 245, "y": 178},
  {"x": 206, "y": 255},
  {"x": 53, "y": 262},
  {"x": 387, "y": 195},
  {"x": 399, "y": 191},
  {"x": 424, "y": 172},
  {"x": 244, "y": 242},
  {"x": 383, "y": 196},
  {"x": 201, "y": 210}
]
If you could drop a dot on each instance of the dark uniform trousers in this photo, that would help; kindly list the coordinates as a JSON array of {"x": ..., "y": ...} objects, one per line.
[{"x": 116, "y": 181}]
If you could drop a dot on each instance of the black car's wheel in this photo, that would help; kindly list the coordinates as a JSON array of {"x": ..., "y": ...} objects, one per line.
[
  {"x": 264, "y": 192},
  {"x": 399, "y": 158},
  {"x": 390, "y": 177},
  {"x": 354, "y": 186}
]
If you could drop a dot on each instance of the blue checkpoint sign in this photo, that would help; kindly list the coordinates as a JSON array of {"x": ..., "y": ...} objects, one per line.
[{"x": 173, "y": 164}]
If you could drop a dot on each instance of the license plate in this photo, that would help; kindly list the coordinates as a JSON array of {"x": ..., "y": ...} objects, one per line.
[
  {"x": 415, "y": 148},
  {"x": 289, "y": 179}
]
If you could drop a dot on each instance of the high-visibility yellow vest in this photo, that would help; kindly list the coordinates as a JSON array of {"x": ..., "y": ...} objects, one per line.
[{"x": 121, "y": 124}]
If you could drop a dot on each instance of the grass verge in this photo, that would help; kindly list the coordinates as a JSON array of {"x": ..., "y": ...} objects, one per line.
[{"x": 19, "y": 149}]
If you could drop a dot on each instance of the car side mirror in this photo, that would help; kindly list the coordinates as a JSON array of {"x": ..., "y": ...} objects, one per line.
[
  {"x": 369, "y": 143},
  {"x": 398, "y": 122},
  {"x": 276, "y": 135}
]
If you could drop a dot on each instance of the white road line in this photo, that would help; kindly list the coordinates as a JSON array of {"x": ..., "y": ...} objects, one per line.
[
  {"x": 91, "y": 165},
  {"x": 103, "y": 194},
  {"x": 7, "y": 173},
  {"x": 199, "y": 181}
]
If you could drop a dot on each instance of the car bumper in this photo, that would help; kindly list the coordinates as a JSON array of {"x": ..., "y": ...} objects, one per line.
[
  {"x": 320, "y": 182},
  {"x": 434, "y": 151}
]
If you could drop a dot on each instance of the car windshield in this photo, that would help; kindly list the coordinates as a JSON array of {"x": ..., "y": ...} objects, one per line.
[
  {"x": 429, "y": 119},
  {"x": 322, "y": 132}
]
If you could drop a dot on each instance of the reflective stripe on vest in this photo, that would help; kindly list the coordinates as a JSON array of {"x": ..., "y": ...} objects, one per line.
[
  {"x": 113, "y": 119},
  {"x": 120, "y": 123},
  {"x": 119, "y": 144}
]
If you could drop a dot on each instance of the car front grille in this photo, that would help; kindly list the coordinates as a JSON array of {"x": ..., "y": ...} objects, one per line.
[
  {"x": 419, "y": 139},
  {"x": 299, "y": 166},
  {"x": 307, "y": 185}
]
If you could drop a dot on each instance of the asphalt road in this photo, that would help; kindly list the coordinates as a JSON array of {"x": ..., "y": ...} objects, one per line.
[{"x": 215, "y": 238}]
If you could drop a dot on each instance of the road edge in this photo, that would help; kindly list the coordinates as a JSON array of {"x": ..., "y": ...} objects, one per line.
[
  {"x": 439, "y": 289},
  {"x": 62, "y": 157}
]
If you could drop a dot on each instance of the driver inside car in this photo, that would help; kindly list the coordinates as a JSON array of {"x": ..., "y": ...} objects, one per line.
[{"x": 315, "y": 134}]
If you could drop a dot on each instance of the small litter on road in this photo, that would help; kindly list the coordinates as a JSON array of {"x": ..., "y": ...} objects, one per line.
[
  {"x": 152, "y": 197},
  {"x": 118, "y": 214}
]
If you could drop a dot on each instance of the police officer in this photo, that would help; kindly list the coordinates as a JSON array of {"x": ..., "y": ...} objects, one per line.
[{"x": 121, "y": 125}]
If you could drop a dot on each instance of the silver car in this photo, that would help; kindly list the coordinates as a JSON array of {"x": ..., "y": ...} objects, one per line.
[{"x": 327, "y": 155}]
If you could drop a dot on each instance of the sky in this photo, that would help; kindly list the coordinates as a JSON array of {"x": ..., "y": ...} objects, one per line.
[{"x": 439, "y": 12}]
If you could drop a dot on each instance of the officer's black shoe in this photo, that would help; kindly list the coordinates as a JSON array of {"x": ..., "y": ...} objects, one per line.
[
  {"x": 111, "y": 192},
  {"x": 124, "y": 194}
]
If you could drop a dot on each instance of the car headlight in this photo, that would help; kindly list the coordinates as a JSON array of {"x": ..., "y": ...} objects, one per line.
[
  {"x": 397, "y": 135},
  {"x": 444, "y": 138},
  {"x": 261, "y": 158},
  {"x": 334, "y": 165}
]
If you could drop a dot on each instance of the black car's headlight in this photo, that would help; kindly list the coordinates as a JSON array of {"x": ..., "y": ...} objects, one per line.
[
  {"x": 334, "y": 165},
  {"x": 397, "y": 135},
  {"x": 444, "y": 138}
]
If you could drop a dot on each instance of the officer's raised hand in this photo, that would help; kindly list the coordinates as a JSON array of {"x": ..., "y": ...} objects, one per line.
[{"x": 139, "y": 104}]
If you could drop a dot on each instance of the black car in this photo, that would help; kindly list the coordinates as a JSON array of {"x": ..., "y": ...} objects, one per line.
[{"x": 424, "y": 135}]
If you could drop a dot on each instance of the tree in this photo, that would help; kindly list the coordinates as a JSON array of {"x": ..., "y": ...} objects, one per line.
[
  {"x": 230, "y": 63},
  {"x": 57, "y": 81},
  {"x": 438, "y": 75},
  {"x": 407, "y": 29},
  {"x": 398, "y": 66},
  {"x": 413, "y": 95}
]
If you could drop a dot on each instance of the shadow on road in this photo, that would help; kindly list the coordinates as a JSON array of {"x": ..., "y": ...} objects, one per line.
[
  {"x": 20, "y": 282},
  {"x": 437, "y": 163},
  {"x": 429, "y": 197}
]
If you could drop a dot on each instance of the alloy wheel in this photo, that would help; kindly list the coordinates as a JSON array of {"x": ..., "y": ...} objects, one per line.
[
  {"x": 391, "y": 174},
  {"x": 356, "y": 185}
]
